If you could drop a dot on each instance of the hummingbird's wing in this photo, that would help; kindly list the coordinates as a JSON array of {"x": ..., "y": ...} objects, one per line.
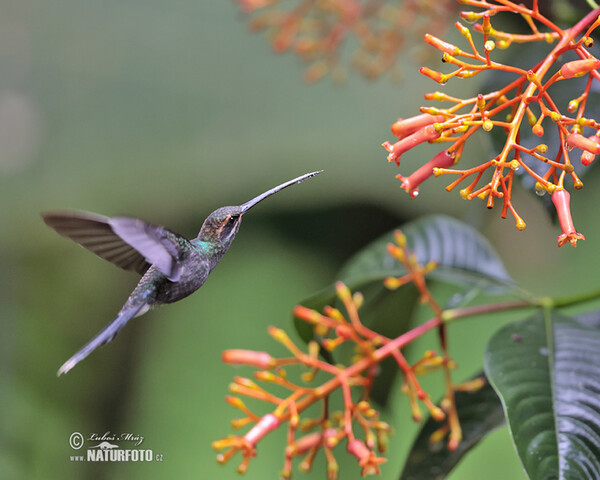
[{"x": 127, "y": 242}]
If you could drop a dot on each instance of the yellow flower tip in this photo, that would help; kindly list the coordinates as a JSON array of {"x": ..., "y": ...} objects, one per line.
[
  {"x": 417, "y": 416},
  {"x": 578, "y": 184},
  {"x": 540, "y": 190},
  {"x": 238, "y": 423},
  {"x": 503, "y": 44},
  {"x": 286, "y": 474},
  {"x": 462, "y": 29},
  {"x": 332, "y": 441},
  {"x": 332, "y": 470},
  {"x": 542, "y": 147},
  {"x": 470, "y": 16},
  {"x": 371, "y": 413},
  {"x": 538, "y": 130},
  {"x": 431, "y": 266},
  {"x": 556, "y": 117},
  {"x": 464, "y": 193},
  {"x": 304, "y": 466},
  {"x": 437, "y": 436},
  {"x": 514, "y": 165},
  {"x": 278, "y": 334},
  {"x": 221, "y": 459},
  {"x": 242, "y": 468},
  {"x": 294, "y": 421},
  {"x": 358, "y": 299},
  {"x": 471, "y": 385},
  {"x": 221, "y": 444},
  {"x": 572, "y": 106},
  {"x": 264, "y": 376},
  {"x": 568, "y": 168},
  {"x": 489, "y": 45},
  {"x": 391, "y": 283},
  {"x": 487, "y": 125},
  {"x": 551, "y": 187},
  {"x": 321, "y": 330},
  {"x": 234, "y": 401},
  {"x": 333, "y": 313},
  {"x": 531, "y": 76},
  {"x": 445, "y": 404},
  {"x": 342, "y": 290},
  {"x": 400, "y": 239},
  {"x": 308, "y": 377},
  {"x": 482, "y": 196},
  {"x": 520, "y": 225},
  {"x": 437, "y": 413}
]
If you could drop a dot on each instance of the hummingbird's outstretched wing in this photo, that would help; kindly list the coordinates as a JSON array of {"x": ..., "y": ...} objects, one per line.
[
  {"x": 127, "y": 242},
  {"x": 109, "y": 332}
]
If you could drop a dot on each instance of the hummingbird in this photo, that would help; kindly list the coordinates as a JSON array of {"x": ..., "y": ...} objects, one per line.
[{"x": 172, "y": 267}]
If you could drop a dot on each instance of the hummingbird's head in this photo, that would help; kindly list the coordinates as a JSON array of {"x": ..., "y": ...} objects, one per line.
[{"x": 223, "y": 224}]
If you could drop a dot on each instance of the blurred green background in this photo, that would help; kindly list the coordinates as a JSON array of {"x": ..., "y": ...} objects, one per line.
[{"x": 166, "y": 111}]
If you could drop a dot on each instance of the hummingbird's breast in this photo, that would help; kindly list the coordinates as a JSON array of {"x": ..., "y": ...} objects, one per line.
[{"x": 195, "y": 268}]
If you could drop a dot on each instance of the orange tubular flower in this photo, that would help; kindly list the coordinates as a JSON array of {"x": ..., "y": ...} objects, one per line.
[
  {"x": 578, "y": 68},
  {"x": 396, "y": 150},
  {"x": 405, "y": 127},
  {"x": 248, "y": 357},
  {"x": 587, "y": 157},
  {"x": 576, "y": 140},
  {"x": 562, "y": 199},
  {"x": 411, "y": 183}
]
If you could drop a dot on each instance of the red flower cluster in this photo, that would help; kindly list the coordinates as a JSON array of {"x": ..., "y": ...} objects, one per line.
[
  {"x": 306, "y": 437},
  {"x": 526, "y": 98},
  {"x": 317, "y": 30}
]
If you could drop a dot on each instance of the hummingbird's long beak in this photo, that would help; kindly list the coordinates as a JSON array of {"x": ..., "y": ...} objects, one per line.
[{"x": 248, "y": 205}]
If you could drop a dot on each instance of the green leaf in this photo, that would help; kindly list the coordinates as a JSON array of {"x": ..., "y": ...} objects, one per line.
[
  {"x": 546, "y": 372},
  {"x": 479, "y": 412},
  {"x": 463, "y": 255}
]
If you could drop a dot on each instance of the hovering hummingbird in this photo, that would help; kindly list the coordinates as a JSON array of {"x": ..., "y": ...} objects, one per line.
[{"x": 172, "y": 267}]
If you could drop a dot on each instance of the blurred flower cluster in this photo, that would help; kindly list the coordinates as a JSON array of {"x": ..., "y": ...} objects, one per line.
[
  {"x": 357, "y": 424},
  {"x": 375, "y": 30},
  {"x": 525, "y": 102}
]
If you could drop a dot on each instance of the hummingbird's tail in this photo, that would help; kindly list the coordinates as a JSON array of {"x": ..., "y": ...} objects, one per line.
[{"x": 109, "y": 332}]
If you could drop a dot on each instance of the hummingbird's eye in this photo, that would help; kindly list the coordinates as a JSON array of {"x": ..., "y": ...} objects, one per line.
[{"x": 231, "y": 220}]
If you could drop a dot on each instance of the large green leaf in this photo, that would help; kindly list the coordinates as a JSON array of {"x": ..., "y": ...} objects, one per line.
[
  {"x": 546, "y": 370},
  {"x": 479, "y": 412},
  {"x": 463, "y": 255}
]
